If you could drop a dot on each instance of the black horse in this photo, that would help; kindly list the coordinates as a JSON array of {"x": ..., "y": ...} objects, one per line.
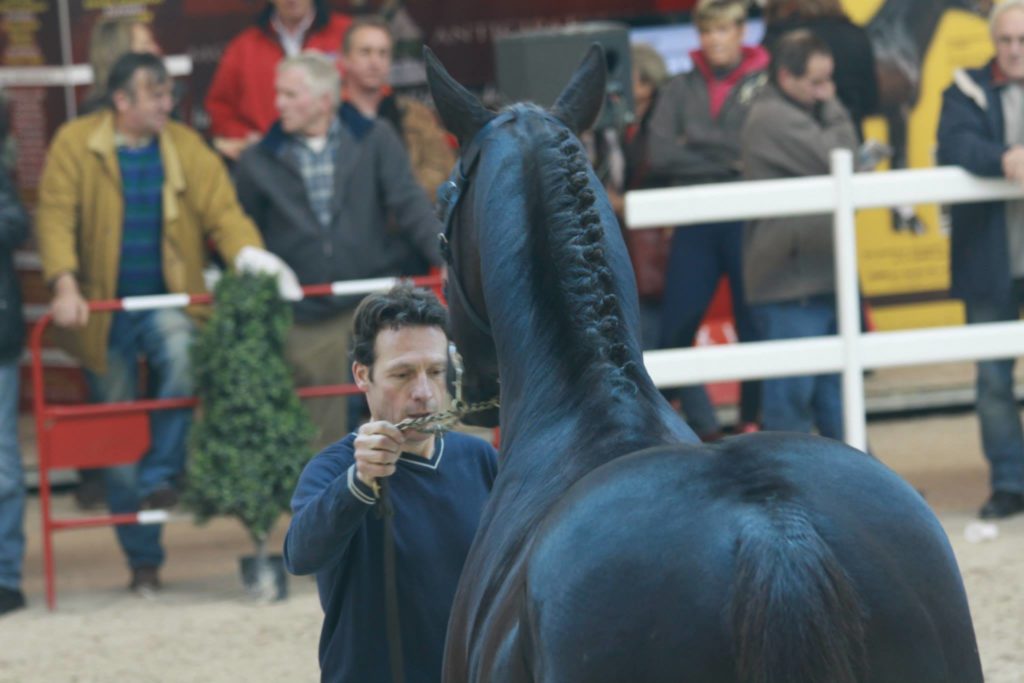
[{"x": 616, "y": 547}]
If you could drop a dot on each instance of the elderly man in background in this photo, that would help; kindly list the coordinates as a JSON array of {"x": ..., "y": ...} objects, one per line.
[
  {"x": 322, "y": 190},
  {"x": 240, "y": 100},
  {"x": 127, "y": 203},
  {"x": 982, "y": 129}
]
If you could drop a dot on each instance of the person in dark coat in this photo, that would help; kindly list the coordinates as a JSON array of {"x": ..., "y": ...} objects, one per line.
[
  {"x": 981, "y": 128},
  {"x": 13, "y": 231},
  {"x": 335, "y": 197},
  {"x": 366, "y": 58}
]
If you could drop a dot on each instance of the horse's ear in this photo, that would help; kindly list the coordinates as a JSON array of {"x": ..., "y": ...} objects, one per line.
[
  {"x": 460, "y": 111},
  {"x": 580, "y": 102}
]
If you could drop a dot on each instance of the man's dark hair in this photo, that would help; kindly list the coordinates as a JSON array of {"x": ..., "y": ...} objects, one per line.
[
  {"x": 793, "y": 51},
  {"x": 124, "y": 69},
  {"x": 365, "y": 21},
  {"x": 401, "y": 306}
]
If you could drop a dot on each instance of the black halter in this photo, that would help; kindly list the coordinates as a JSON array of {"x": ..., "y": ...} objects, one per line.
[{"x": 448, "y": 197}]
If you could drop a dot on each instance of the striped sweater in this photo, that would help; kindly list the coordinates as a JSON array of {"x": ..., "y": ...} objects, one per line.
[{"x": 142, "y": 177}]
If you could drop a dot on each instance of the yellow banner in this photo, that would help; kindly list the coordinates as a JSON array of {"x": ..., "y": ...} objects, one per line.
[{"x": 898, "y": 265}]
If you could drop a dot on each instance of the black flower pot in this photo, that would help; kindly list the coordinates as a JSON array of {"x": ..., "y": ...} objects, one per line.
[{"x": 264, "y": 578}]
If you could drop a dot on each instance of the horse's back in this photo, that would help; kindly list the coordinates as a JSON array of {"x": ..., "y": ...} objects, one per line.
[{"x": 652, "y": 548}]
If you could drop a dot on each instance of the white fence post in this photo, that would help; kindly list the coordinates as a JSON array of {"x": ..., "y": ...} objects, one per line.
[
  {"x": 849, "y": 352},
  {"x": 848, "y": 299}
]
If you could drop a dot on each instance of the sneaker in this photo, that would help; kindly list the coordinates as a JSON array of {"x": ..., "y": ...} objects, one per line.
[
  {"x": 164, "y": 498},
  {"x": 145, "y": 581},
  {"x": 1002, "y": 504},
  {"x": 10, "y": 600}
]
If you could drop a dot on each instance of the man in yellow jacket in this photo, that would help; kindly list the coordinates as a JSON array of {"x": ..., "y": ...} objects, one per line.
[{"x": 127, "y": 202}]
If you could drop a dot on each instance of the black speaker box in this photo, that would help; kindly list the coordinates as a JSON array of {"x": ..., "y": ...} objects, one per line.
[{"x": 535, "y": 65}]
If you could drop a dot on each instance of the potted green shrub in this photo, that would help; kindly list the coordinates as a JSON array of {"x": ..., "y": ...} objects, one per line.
[{"x": 252, "y": 436}]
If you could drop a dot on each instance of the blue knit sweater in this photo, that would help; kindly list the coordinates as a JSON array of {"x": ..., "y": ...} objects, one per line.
[
  {"x": 336, "y": 534},
  {"x": 140, "y": 271}
]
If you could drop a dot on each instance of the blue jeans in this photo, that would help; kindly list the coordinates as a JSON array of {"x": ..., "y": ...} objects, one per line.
[
  {"x": 699, "y": 256},
  {"x": 163, "y": 337},
  {"x": 12, "y": 481},
  {"x": 798, "y": 404},
  {"x": 998, "y": 413}
]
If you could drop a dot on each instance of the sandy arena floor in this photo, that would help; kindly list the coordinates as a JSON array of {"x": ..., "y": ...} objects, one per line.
[{"x": 203, "y": 628}]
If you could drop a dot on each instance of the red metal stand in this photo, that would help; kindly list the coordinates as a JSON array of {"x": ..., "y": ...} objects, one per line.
[{"x": 104, "y": 435}]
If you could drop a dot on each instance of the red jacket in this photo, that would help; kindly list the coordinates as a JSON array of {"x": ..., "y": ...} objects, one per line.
[
  {"x": 241, "y": 96},
  {"x": 754, "y": 58}
]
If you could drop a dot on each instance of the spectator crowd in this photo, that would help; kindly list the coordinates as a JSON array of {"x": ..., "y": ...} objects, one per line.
[
  {"x": 777, "y": 111},
  {"x": 318, "y": 171}
]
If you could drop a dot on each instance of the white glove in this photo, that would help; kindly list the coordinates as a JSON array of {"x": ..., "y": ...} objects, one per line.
[{"x": 255, "y": 260}]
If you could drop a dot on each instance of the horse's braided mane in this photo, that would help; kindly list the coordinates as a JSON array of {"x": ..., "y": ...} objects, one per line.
[{"x": 576, "y": 238}]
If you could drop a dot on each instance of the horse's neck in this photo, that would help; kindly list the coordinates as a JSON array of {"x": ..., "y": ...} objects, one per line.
[
  {"x": 559, "y": 420},
  {"x": 560, "y": 298}
]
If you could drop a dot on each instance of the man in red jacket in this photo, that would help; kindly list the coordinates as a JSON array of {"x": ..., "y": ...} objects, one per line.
[{"x": 241, "y": 97}]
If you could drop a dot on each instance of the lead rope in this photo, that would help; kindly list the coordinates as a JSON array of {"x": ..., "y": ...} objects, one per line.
[
  {"x": 436, "y": 423},
  {"x": 441, "y": 422},
  {"x": 391, "y": 615}
]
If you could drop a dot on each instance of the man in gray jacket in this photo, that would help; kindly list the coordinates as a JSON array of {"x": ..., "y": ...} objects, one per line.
[
  {"x": 788, "y": 262},
  {"x": 335, "y": 198}
]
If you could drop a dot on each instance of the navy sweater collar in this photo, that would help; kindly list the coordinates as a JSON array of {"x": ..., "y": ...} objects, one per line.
[
  {"x": 421, "y": 464},
  {"x": 354, "y": 120}
]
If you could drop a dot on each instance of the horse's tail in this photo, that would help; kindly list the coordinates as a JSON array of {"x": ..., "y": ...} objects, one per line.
[{"x": 796, "y": 616}]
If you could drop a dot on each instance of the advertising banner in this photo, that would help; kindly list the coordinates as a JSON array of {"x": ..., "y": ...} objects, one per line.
[{"x": 905, "y": 273}]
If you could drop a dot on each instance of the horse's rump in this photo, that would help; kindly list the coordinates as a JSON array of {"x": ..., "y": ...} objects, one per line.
[{"x": 716, "y": 552}]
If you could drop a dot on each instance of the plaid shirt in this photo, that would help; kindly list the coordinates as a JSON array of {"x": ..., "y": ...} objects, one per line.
[{"x": 317, "y": 170}]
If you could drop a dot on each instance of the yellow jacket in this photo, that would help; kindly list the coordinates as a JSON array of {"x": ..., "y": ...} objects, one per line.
[{"x": 80, "y": 216}]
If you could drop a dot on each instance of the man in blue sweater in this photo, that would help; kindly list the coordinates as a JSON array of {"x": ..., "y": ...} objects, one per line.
[{"x": 438, "y": 487}]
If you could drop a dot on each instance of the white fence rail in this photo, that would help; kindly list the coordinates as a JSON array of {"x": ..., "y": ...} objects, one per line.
[
  {"x": 850, "y": 352},
  {"x": 75, "y": 74}
]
